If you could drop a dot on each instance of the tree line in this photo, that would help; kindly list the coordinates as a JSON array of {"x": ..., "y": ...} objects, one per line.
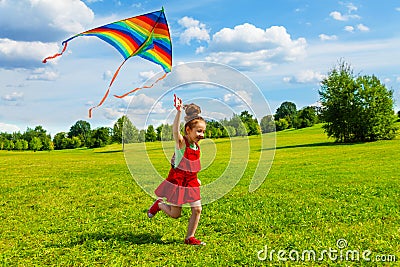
[
  {"x": 82, "y": 135},
  {"x": 353, "y": 109}
]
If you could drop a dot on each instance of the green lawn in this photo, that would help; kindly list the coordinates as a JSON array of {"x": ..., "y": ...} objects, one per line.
[{"x": 83, "y": 208}]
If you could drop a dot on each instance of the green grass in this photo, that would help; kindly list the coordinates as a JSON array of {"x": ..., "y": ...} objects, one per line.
[{"x": 83, "y": 208}]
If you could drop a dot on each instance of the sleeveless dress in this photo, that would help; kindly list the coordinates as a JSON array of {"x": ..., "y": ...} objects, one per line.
[{"x": 182, "y": 185}]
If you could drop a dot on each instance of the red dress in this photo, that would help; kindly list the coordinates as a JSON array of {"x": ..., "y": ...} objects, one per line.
[{"x": 182, "y": 185}]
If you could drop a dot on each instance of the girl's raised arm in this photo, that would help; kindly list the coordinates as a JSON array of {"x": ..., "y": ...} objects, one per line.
[{"x": 177, "y": 121}]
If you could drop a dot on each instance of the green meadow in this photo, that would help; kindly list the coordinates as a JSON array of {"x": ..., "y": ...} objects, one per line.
[{"x": 83, "y": 207}]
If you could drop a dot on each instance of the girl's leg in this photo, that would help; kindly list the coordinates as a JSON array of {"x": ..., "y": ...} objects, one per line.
[
  {"x": 170, "y": 210},
  {"x": 194, "y": 220}
]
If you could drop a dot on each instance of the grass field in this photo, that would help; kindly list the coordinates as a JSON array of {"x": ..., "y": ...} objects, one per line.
[{"x": 83, "y": 208}]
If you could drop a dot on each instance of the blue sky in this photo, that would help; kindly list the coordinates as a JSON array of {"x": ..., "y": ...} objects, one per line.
[{"x": 285, "y": 47}]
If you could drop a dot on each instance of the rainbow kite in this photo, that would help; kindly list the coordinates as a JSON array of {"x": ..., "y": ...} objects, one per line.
[{"x": 146, "y": 36}]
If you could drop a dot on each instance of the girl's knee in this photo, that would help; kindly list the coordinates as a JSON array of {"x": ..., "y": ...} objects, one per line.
[
  {"x": 175, "y": 215},
  {"x": 176, "y": 212},
  {"x": 197, "y": 210}
]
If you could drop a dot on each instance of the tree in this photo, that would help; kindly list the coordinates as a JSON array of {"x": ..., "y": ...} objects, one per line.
[
  {"x": 164, "y": 132},
  {"x": 287, "y": 110},
  {"x": 74, "y": 142},
  {"x": 58, "y": 140},
  {"x": 35, "y": 144},
  {"x": 306, "y": 117},
  {"x": 150, "y": 135},
  {"x": 251, "y": 124},
  {"x": 125, "y": 131},
  {"x": 101, "y": 137},
  {"x": 18, "y": 145},
  {"x": 213, "y": 129},
  {"x": 216, "y": 132},
  {"x": 224, "y": 132},
  {"x": 241, "y": 130},
  {"x": 376, "y": 110},
  {"x": 142, "y": 136},
  {"x": 267, "y": 124},
  {"x": 25, "y": 145},
  {"x": 281, "y": 124},
  {"x": 8, "y": 144},
  {"x": 356, "y": 108},
  {"x": 61, "y": 141},
  {"x": 47, "y": 144},
  {"x": 21, "y": 144},
  {"x": 82, "y": 130},
  {"x": 231, "y": 131},
  {"x": 38, "y": 132},
  {"x": 118, "y": 130},
  {"x": 398, "y": 115}
]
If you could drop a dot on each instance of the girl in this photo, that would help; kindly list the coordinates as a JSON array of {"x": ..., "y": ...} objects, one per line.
[{"x": 182, "y": 185}]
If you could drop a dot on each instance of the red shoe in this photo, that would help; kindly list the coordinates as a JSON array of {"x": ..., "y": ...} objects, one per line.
[
  {"x": 154, "y": 208},
  {"x": 193, "y": 241}
]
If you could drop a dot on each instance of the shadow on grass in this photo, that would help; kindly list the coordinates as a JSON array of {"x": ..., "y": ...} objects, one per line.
[
  {"x": 109, "y": 151},
  {"x": 322, "y": 144},
  {"x": 130, "y": 238}
]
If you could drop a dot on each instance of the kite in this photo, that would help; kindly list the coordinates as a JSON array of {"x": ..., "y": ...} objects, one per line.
[{"x": 146, "y": 36}]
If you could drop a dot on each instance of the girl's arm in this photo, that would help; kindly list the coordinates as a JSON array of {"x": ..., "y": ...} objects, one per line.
[{"x": 177, "y": 121}]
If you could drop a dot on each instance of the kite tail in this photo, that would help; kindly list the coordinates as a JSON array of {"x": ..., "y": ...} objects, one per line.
[
  {"x": 138, "y": 88},
  {"x": 56, "y": 55},
  {"x": 108, "y": 90}
]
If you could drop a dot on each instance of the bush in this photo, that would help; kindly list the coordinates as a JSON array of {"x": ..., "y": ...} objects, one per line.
[
  {"x": 356, "y": 108},
  {"x": 281, "y": 124}
]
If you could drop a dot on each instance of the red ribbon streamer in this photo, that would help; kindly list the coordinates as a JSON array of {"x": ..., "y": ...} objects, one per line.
[
  {"x": 138, "y": 88},
  {"x": 56, "y": 55}
]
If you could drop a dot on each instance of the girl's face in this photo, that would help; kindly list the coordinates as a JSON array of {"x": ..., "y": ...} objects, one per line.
[{"x": 197, "y": 132}]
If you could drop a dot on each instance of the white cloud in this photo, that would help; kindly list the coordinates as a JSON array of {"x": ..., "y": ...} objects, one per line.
[
  {"x": 213, "y": 115},
  {"x": 194, "y": 30},
  {"x": 30, "y": 26},
  {"x": 43, "y": 20},
  {"x": 107, "y": 75},
  {"x": 240, "y": 98},
  {"x": 145, "y": 75},
  {"x": 317, "y": 104},
  {"x": 359, "y": 27},
  {"x": 24, "y": 54},
  {"x": 141, "y": 104},
  {"x": 200, "y": 50},
  {"x": 246, "y": 46},
  {"x": 306, "y": 76},
  {"x": 9, "y": 128},
  {"x": 137, "y": 107},
  {"x": 349, "y": 28},
  {"x": 398, "y": 9},
  {"x": 113, "y": 114},
  {"x": 15, "y": 96},
  {"x": 43, "y": 74},
  {"x": 362, "y": 28},
  {"x": 398, "y": 79},
  {"x": 188, "y": 73},
  {"x": 336, "y": 15},
  {"x": 350, "y": 7},
  {"x": 324, "y": 37}
]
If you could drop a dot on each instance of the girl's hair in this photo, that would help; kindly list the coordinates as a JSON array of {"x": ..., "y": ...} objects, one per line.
[{"x": 192, "y": 115}]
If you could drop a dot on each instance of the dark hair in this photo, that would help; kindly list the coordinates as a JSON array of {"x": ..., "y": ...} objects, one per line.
[{"x": 192, "y": 115}]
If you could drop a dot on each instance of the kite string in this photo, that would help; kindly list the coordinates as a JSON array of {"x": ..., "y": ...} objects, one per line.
[{"x": 138, "y": 88}]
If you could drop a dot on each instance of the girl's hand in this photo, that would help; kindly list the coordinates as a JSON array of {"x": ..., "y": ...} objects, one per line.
[{"x": 177, "y": 103}]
